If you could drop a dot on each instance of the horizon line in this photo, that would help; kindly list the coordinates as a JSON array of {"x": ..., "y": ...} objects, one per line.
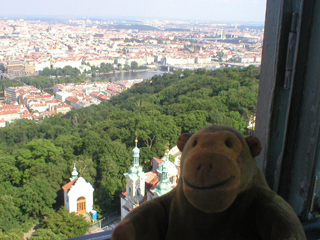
[{"x": 117, "y": 18}]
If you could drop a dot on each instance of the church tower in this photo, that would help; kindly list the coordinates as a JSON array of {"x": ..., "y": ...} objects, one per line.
[
  {"x": 135, "y": 189},
  {"x": 164, "y": 185},
  {"x": 168, "y": 180}
]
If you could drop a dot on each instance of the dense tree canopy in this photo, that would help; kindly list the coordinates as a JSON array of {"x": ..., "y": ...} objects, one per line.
[
  {"x": 36, "y": 158},
  {"x": 49, "y": 77},
  {"x": 61, "y": 225},
  {"x": 5, "y": 83}
]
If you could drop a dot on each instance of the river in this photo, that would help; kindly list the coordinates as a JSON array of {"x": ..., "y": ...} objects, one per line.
[{"x": 128, "y": 75}]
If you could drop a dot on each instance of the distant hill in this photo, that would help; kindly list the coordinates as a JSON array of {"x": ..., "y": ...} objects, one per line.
[
  {"x": 259, "y": 27},
  {"x": 177, "y": 29},
  {"x": 135, "y": 26}
]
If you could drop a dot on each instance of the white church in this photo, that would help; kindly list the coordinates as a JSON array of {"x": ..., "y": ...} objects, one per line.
[
  {"x": 143, "y": 186},
  {"x": 78, "y": 194}
]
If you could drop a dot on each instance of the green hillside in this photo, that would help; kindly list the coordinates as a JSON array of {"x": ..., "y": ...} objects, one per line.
[{"x": 36, "y": 158}]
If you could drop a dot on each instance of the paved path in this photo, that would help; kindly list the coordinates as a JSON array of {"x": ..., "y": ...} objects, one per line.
[{"x": 31, "y": 231}]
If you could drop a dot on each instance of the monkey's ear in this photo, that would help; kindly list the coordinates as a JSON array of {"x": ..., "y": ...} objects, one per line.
[
  {"x": 182, "y": 140},
  {"x": 254, "y": 145}
]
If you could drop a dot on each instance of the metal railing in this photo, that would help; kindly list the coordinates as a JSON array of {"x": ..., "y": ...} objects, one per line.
[
  {"x": 100, "y": 230},
  {"x": 101, "y": 223},
  {"x": 95, "y": 236}
]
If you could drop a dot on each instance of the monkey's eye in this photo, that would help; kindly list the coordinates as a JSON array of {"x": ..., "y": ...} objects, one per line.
[
  {"x": 228, "y": 143},
  {"x": 195, "y": 142}
]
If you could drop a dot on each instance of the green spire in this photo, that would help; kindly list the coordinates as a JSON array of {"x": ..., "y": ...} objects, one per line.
[
  {"x": 169, "y": 167},
  {"x": 164, "y": 184},
  {"x": 136, "y": 153},
  {"x": 135, "y": 168},
  {"x": 74, "y": 172}
]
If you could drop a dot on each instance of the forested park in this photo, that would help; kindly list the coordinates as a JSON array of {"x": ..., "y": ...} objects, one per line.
[{"x": 36, "y": 158}]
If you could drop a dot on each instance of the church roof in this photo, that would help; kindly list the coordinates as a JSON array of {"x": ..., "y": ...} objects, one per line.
[
  {"x": 152, "y": 180},
  {"x": 168, "y": 167},
  {"x": 158, "y": 160},
  {"x": 136, "y": 151},
  {"x": 77, "y": 183},
  {"x": 162, "y": 187},
  {"x": 68, "y": 186},
  {"x": 165, "y": 169},
  {"x": 74, "y": 173},
  {"x": 124, "y": 194}
]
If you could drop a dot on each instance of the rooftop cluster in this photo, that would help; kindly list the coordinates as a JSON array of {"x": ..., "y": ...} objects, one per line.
[
  {"x": 79, "y": 43},
  {"x": 31, "y": 103}
]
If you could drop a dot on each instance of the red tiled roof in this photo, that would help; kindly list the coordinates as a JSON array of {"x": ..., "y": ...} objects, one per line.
[
  {"x": 124, "y": 194},
  {"x": 125, "y": 207},
  {"x": 68, "y": 186},
  {"x": 151, "y": 180},
  {"x": 158, "y": 160},
  {"x": 179, "y": 170},
  {"x": 64, "y": 105},
  {"x": 96, "y": 93},
  {"x": 53, "y": 101},
  {"x": 103, "y": 97},
  {"x": 9, "y": 112},
  {"x": 72, "y": 99}
]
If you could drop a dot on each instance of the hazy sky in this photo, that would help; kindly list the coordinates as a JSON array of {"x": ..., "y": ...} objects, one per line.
[{"x": 215, "y": 10}]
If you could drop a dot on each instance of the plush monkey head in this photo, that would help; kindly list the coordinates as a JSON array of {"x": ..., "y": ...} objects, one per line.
[{"x": 217, "y": 163}]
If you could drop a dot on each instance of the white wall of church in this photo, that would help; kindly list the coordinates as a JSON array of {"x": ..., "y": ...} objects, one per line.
[
  {"x": 66, "y": 200},
  {"x": 81, "y": 189},
  {"x": 124, "y": 212},
  {"x": 149, "y": 196}
]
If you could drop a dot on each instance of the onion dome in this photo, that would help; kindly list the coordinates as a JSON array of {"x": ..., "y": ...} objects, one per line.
[{"x": 74, "y": 173}]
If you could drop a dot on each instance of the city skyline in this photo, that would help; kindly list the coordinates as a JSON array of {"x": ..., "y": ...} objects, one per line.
[{"x": 202, "y": 10}]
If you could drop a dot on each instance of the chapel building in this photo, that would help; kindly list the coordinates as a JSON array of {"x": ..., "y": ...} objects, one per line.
[{"x": 78, "y": 194}]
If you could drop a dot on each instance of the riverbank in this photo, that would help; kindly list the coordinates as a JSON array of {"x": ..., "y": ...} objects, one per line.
[
  {"x": 126, "y": 75},
  {"x": 138, "y": 70}
]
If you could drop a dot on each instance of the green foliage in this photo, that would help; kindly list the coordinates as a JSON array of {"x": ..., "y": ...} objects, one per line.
[
  {"x": 49, "y": 77},
  {"x": 64, "y": 224},
  {"x": 43, "y": 81},
  {"x": 10, "y": 213},
  {"x": 104, "y": 68},
  {"x": 134, "y": 65},
  {"x": 126, "y": 40},
  {"x": 6, "y": 83},
  {"x": 87, "y": 167},
  {"x": 126, "y": 67},
  {"x": 41, "y": 157},
  {"x": 37, "y": 197},
  {"x": 8, "y": 171},
  {"x": 44, "y": 234},
  {"x": 44, "y": 151},
  {"x": 192, "y": 120},
  {"x": 66, "y": 71},
  {"x": 172, "y": 158},
  {"x": 13, "y": 234}
]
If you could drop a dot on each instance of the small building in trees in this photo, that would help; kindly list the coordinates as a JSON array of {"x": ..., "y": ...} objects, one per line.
[{"x": 78, "y": 194}]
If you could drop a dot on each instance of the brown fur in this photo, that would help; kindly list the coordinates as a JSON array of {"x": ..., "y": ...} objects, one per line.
[{"x": 221, "y": 195}]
